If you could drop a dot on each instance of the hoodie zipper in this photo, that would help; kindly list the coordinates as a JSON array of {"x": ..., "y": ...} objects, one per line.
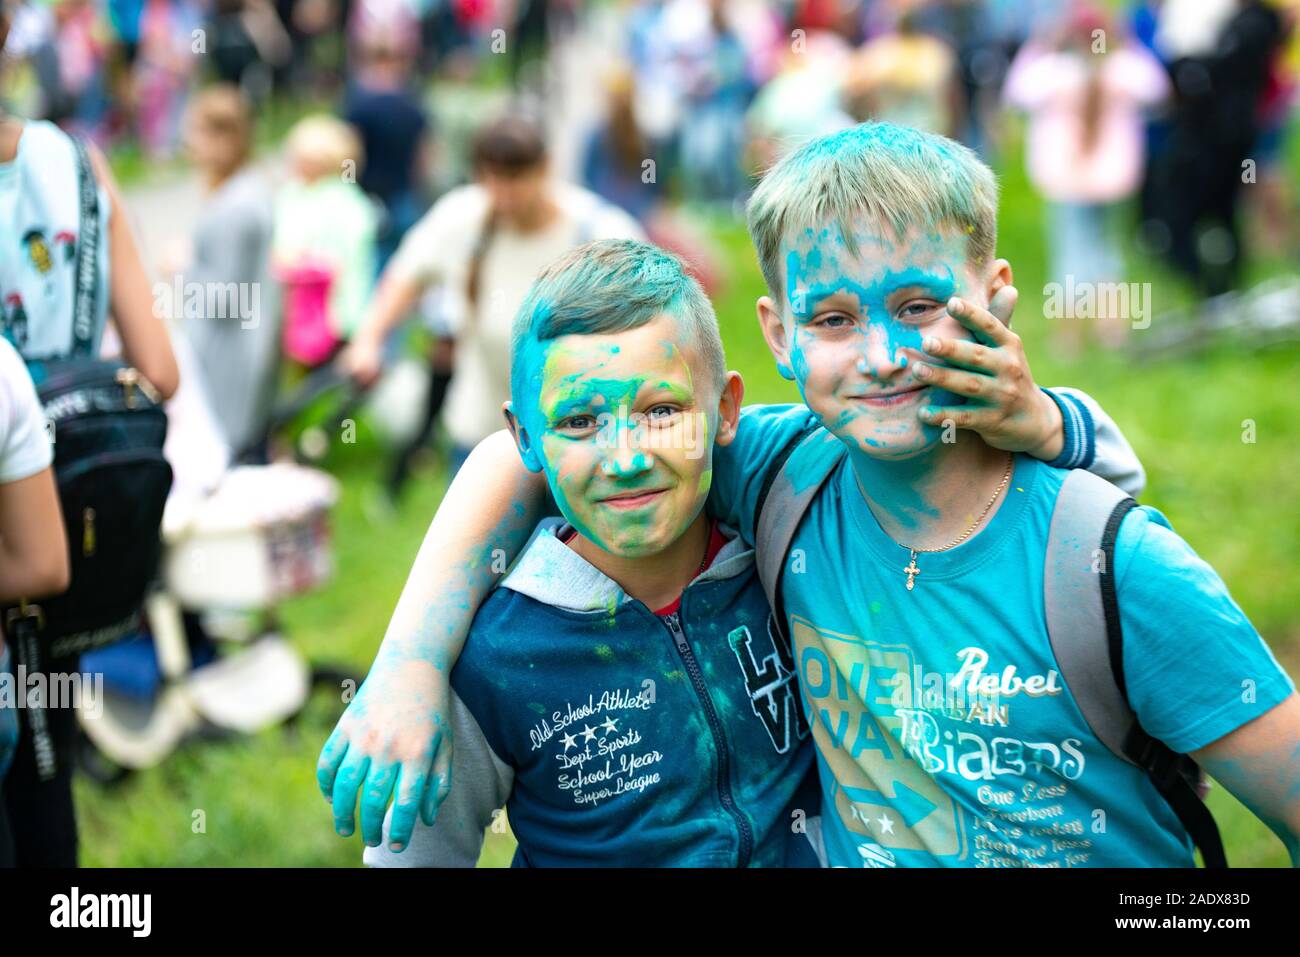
[{"x": 674, "y": 623}]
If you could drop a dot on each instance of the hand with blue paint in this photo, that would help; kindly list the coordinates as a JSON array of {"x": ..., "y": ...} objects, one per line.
[
  {"x": 991, "y": 373},
  {"x": 393, "y": 742}
]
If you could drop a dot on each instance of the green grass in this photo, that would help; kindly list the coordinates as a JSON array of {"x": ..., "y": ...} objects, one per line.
[{"x": 1234, "y": 502}]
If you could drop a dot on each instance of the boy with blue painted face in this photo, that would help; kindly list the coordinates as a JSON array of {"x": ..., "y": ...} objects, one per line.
[
  {"x": 914, "y": 589},
  {"x": 623, "y": 693},
  {"x": 921, "y": 556}
]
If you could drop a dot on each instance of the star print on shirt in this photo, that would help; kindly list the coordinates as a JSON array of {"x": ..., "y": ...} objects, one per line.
[
  {"x": 886, "y": 824},
  {"x": 610, "y": 725},
  {"x": 588, "y": 732},
  {"x": 570, "y": 741}
]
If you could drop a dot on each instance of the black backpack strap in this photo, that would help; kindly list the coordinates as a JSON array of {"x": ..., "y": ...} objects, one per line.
[
  {"x": 783, "y": 502},
  {"x": 23, "y": 625},
  {"x": 1082, "y": 608},
  {"x": 85, "y": 300}
]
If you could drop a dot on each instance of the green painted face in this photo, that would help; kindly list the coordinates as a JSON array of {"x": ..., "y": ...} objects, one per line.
[{"x": 623, "y": 426}]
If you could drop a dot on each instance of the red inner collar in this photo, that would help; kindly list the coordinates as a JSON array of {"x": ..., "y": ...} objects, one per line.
[{"x": 716, "y": 541}]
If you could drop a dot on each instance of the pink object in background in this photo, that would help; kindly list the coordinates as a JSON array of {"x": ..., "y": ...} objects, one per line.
[{"x": 308, "y": 334}]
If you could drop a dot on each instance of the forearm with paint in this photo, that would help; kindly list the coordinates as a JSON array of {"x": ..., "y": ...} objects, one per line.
[{"x": 482, "y": 523}]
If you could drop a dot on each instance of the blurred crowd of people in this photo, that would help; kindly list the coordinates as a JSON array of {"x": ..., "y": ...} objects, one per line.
[{"x": 649, "y": 106}]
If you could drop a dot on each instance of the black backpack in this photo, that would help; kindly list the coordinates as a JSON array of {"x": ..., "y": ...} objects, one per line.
[{"x": 108, "y": 427}]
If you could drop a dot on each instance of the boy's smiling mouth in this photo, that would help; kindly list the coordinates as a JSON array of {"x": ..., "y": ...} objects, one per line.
[
  {"x": 890, "y": 397},
  {"x": 633, "y": 499}
]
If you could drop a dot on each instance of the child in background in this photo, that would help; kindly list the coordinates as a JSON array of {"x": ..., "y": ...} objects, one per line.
[
  {"x": 667, "y": 732},
  {"x": 1086, "y": 148},
  {"x": 394, "y": 131},
  {"x": 238, "y": 355},
  {"x": 324, "y": 243}
]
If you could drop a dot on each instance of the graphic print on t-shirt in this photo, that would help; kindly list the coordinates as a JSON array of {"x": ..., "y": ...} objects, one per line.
[
  {"x": 770, "y": 685},
  {"x": 899, "y": 747},
  {"x": 597, "y": 745}
]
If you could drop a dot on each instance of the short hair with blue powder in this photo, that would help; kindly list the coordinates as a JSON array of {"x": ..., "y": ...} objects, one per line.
[
  {"x": 613, "y": 285},
  {"x": 895, "y": 175}
]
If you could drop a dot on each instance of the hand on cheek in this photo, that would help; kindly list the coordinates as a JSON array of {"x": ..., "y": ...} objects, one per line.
[{"x": 991, "y": 373}]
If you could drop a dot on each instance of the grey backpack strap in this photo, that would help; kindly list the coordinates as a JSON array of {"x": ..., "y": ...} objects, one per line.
[
  {"x": 1076, "y": 614},
  {"x": 784, "y": 500},
  {"x": 1083, "y": 623}
]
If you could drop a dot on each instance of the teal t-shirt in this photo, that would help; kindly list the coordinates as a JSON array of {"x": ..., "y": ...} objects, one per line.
[{"x": 922, "y": 765}]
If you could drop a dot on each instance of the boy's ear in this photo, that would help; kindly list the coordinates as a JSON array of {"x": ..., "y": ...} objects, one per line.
[
  {"x": 778, "y": 343},
  {"x": 523, "y": 442},
  {"x": 733, "y": 393},
  {"x": 1002, "y": 294}
]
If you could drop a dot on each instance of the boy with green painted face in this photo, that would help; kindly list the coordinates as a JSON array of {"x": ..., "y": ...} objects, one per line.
[
  {"x": 624, "y": 692},
  {"x": 393, "y": 738}
]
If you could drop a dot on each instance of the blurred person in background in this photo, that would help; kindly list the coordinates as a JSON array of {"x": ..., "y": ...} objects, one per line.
[
  {"x": 1085, "y": 90},
  {"x": 1271, "y": 199},
  {"x": 237, "y": 355},
  {"x": 614, "y": 164},
  {"x": 716, "y": 92},
  {"x": 323, "y": 249},
  {"x": 33, "y": 550},
  {"x": 40, "y": 226},
  {"x": 394, "y": 129},
  {"x": 620, "y": 165},
  {"x": 82, "y": 61},
  {"x": 907, "y": 77},
  {"x": 246, "y": 42},
  {"x": 164, "y": 64},
  {"x": 803, "y": 99},
  {"x": 484, "y": 242},
  {"x": 1220, "y": 55}
]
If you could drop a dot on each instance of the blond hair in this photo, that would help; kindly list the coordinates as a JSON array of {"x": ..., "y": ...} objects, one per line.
[
  {"x": 895, "y": 175},
  {"x": 325, "y": 143}
]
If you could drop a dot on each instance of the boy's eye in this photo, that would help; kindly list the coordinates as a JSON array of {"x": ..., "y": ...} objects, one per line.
[
  {"x": 576, "y": 423},
  {"x": 661, "y": 413},
  {"x": 920, "y": 309},
  {"x": 833, "y": 320}
]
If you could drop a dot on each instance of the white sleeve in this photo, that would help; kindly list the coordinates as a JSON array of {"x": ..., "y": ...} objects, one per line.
[
  {"x": 1094, "y": 442},
  {"x": 441, "y": 234},
  {"x": 24, "y": 444},
  {"x": 615, "y": 223},
  {"x": 480, "y": 785}
]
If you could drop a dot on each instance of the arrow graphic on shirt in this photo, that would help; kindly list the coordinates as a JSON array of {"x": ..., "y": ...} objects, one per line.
[{"x": 908, "y": 804}]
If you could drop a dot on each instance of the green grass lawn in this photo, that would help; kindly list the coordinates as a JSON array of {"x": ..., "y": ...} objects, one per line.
[{"x": 1231, "y": 500}]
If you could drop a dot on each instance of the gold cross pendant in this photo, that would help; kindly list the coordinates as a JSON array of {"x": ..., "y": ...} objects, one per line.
[{"x": 912, "y": 572}]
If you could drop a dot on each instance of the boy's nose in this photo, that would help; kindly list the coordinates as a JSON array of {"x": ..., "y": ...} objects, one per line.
[
  {"x": 879, "y": 358},
  {"x": 624, "y": 462}
]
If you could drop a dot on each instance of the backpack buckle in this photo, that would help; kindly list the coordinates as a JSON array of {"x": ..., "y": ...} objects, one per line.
[{"x": 25, "y": 611}]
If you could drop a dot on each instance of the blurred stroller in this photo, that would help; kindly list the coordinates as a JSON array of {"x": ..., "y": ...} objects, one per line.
[{"x": 237, "y": 542}]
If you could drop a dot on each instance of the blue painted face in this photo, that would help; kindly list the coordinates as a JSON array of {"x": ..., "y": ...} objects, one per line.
[
  {"x": 854, "y": 323},
  {"x": 623, "y": 425}
]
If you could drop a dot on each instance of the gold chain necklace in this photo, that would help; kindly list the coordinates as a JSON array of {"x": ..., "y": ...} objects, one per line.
[{"x": 912, "y": 571}]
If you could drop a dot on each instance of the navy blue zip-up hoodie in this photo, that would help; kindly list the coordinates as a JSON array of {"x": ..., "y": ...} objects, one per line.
[{"x": 618, "y": 737}]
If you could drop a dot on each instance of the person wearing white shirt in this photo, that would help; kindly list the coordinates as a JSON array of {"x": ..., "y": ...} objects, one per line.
[{"x": 33, "y": 550}]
